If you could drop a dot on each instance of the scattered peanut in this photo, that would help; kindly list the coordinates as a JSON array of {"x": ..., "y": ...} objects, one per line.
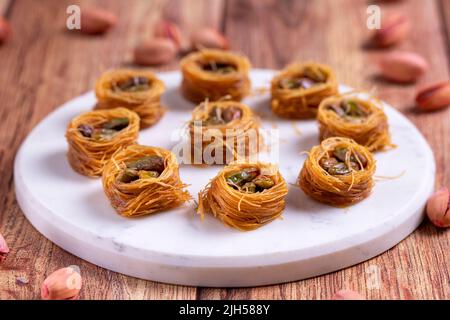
[
  {"x": 5, "y": 30},
  {"x": 63, "y": 284},
  {"x": 209, "y": 38},
  {"x": 345, "y": 294},
  {"x": 394, "y": 28},
  {"x": 169, "y": 30},
  {"x": 403, "y": 67},
  {"x": 438, "y": 208},
  {"x": 154, "y": 52},
  {"x": 434, "y": 97},
  {"x": 4, "y": 250},
  {"x": 96, "y": 20}
]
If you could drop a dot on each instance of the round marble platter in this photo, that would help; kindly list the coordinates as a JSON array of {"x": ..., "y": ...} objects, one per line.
[{"x": 178, "y": 247}]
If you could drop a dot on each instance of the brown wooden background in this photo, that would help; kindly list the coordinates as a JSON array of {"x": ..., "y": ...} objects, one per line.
[{"x": 44, "y": 65}]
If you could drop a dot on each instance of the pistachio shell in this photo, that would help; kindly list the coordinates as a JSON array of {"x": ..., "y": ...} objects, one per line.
[
  {"x": 434, "y": 97},
  {"x": 169, "y": 30},
  {"x": 209, "y": 38},
  {"x": 403, "y": 67},
  {"x": 4, "y": 249},
  {"x": 438, "y": 208},
  {"x": 5, "y": 30},
  {"x": 347, "y": 295},
  {"x": 63, "y": 284},
  {"x": 155, "y": 51},
  {"x": 394, "y": 28},
  {"x": 96, "y": 20}
]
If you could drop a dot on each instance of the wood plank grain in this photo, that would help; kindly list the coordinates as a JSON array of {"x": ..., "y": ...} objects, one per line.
[
  {"x": 46, "y": 66},
  {"x": 333, "y": 32}
]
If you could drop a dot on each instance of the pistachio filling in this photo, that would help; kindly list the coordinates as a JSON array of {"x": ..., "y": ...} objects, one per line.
[
  {"x": 219, "y": 116},
  {"x": 342, "y": 161},
  {"x": 349, "y": 110},
  {"x": 310, "y": 77},
  {"x": 249, "y": 180},
  {"x": 218, "y": 67},
  {"x": 133, "y": 84},
  {"x": 143, "y": 168},
  {"x": 104, "y": 132}
]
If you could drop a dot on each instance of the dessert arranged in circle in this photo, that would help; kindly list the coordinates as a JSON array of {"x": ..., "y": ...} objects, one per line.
[
  {"x": 299, "y": 88},
  {"x": 139, "y": 91},
  {"x": 141, "y": 180},
  {"x": 223, "y": 131},
  {"x": 362, "y": 120},
  {"x": 94, "y": 136},
  {"x": 214, "y": 75},
  {"x": 246, "y": 194},
  {"x": 338, "y": 172}
]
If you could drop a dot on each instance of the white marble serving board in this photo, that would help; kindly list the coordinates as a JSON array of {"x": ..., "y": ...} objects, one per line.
[{"x": 178, "y": 247}]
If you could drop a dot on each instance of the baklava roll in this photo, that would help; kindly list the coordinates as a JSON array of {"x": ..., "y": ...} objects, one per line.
[
  {"x": 141, "y": 180},
  {"x": 215, "y": 74},
  {"x": 339, "y": 172},
  {"x": 351, "y": 117},
  {"x": 226, "y": 127},
  {"x": 245, "y": 196},
  {"x": 137, "y": 90},
  {"x": 299, "y": 88},
  {"x": 94, "y": 136}
]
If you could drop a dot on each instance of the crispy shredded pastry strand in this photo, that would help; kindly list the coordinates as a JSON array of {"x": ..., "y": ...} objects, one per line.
[
  {"x": 145, "y": 103},
  {"x": 88, "y": 156},
  {"x": 243, "y": 211},
  {"x": 301, "y": 103},
  {"x": 236, "y": 131},
  {"x": 337, "y": 190},
  {"x": 373, "y": 132},
  {"x": 143, "y": 196},
  {"x": 198, "y": 84}
]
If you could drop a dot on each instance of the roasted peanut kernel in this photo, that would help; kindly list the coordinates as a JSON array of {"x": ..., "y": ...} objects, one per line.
[
  {"x": 347, "y": 295},
  {"x": 169, "y": 30},
  {"x": 63, "y": 284},
  {"x": 403, "y": 67},
  {"x": 434, "y": 97},
  {"x": 438, "y": 208},
  {"x": 394, "y": 29},
  {"x": 155, "y": 52},
  {"x": 96, "y": 20},
  {"x": 209, "y": 38}
]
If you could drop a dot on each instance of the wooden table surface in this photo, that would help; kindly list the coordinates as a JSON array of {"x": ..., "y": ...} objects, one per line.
[{"x": 45, "y": 65}]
